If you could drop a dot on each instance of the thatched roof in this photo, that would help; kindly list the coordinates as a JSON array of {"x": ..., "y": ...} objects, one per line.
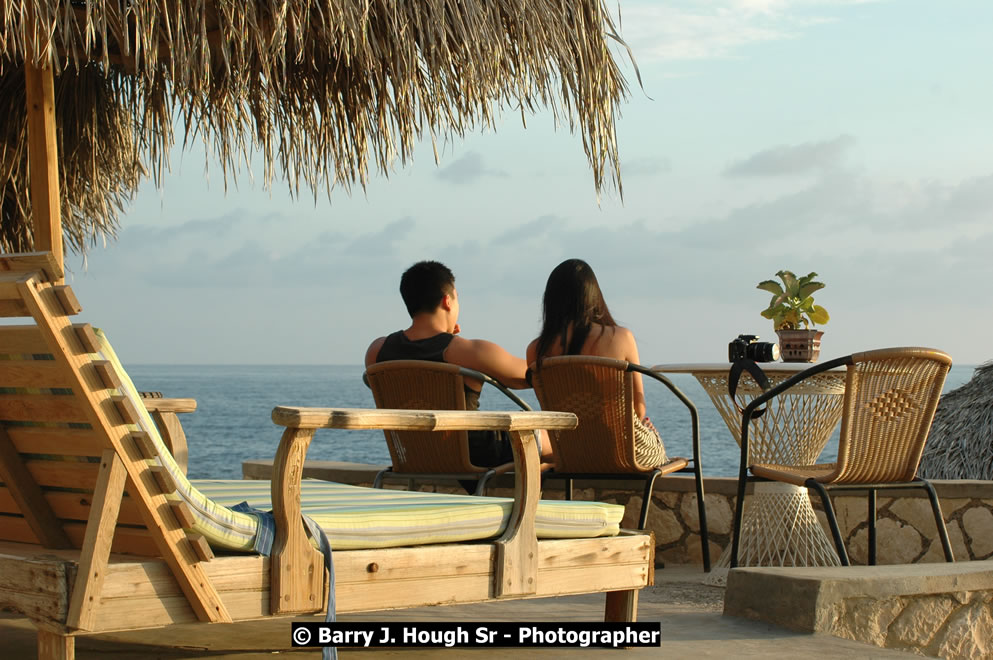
[
  {"x": 323, "y": 90},
  {"x": 961, "y": 442}
]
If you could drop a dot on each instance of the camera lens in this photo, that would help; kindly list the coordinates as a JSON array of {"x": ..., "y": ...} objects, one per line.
[{"x": 763, "y": 351}]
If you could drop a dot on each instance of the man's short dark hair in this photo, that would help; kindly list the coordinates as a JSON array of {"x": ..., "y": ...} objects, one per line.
[{"x": 424, "y": 284}]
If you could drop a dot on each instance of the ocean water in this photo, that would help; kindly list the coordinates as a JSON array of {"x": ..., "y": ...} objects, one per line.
[{"x": 232, "y": 422}]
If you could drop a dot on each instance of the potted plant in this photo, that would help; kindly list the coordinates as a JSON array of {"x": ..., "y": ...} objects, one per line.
[{"x": 792, "y": 312}]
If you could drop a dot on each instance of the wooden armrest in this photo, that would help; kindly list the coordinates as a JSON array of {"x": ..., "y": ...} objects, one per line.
[
  {"x": 421, "y": 420},
  {"x": 170, "y": 405},
  {"x": 163, "y": 412},
  {"x": 297, "y": 568}
]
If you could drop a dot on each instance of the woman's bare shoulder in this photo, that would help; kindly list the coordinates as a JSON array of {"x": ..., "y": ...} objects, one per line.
[{"x": 531, "y": 353}]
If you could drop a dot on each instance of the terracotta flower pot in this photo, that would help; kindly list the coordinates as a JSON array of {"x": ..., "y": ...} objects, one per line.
[{"x": 800, "y": 345}]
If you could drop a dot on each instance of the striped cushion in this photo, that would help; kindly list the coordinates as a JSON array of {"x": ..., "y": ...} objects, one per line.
[{"x": 354, "y": 517}]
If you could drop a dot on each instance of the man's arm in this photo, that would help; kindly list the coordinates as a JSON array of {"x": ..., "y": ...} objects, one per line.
[
  {"x": 490, "y": 358},
  {"x": 373, "y": 351}
]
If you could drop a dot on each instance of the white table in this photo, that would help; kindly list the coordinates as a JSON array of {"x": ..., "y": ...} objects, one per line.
[{"x": 779, "y": 527}]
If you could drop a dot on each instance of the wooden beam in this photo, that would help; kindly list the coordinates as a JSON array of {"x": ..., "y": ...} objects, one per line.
[
  {"x": 420, "y": 420},
  {"x": 41, "y": 407},
  {"x": 68, "y": 299},
  {"x": 32, "y": 373},
  {"x": 170, "y": 405},
  {"x": 30, "y": 262},
  {"x": 29, "y": 497},
  {"x": 97, "y": 542},
  {"x": 43, "y": 160}
]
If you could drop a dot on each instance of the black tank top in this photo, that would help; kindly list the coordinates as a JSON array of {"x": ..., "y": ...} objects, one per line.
[
  {"x": 432, "y": 349},
  {"x": 398, "y": 347}
]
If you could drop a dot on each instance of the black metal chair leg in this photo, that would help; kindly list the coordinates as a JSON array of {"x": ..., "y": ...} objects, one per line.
[
  {"x": 832, "y": 522},
  {"x": 568, "y": 489},
  {"x": 646, "y": 498},
  {"x": 871, "y": 518},
  {"x": 939, "y": 520},
  {"x": 702, "y": 513},
  {"x": 738, "y": 508}
]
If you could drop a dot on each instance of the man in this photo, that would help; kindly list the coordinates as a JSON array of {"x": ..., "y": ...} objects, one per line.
[{"x": 428, "y": 291}]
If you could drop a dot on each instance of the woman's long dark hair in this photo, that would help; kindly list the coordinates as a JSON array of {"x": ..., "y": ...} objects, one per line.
[{"x": 572, "y": 298}]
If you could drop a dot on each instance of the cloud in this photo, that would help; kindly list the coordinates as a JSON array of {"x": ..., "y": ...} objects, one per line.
[
  {"x": 794, "y": 159},
  {"x": 645, "y": 166},
  {"x": 694, "y": 31},
  {"x": 542, "y": 228},
  {"x": 385, "y": 240},
  {"x": 468, "y": 169},
  {"x": 685, "y": 287}
]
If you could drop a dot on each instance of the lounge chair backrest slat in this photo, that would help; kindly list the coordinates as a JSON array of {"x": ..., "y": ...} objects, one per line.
[
  {"x": 420, "y": 385},
  {"x": 600, "y": 392},
  {"x": 890, "y": 399},
  {"x": 61, "y": 421}
]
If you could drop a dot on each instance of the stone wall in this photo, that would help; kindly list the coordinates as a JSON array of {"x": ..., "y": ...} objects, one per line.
[
  {"x": 941, "y": 610},
  {"x": 905, "y": 531},
  {"x": 955, "y": 625}
]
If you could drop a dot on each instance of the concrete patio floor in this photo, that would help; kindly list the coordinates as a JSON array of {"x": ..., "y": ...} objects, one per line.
[{"x": 690, "y": 612}]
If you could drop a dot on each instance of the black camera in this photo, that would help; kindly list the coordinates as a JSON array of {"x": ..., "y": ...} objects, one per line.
[{"x": 748, "y": 347}]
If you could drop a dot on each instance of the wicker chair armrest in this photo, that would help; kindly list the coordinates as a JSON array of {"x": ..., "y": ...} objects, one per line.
[
  {"x": 479, "y": 375},
  {"x": 690, "y": 406}
]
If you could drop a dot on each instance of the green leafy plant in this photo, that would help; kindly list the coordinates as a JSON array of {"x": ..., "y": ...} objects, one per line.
[{"x": 792, "y": 306}]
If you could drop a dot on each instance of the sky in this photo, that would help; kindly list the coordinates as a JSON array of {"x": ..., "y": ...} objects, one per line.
[{"x": 850, "y": 138}]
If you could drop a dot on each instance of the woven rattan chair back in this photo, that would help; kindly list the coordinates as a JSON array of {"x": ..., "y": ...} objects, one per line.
[
  {"x": 422, "y": 385},
  {"x": 598, "y": 391},
  {"x": 890, "y": 399}
]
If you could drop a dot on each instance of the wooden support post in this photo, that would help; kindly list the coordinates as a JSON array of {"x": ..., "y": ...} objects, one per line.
[
  {"x": 171, "y": 430},
  {"x": 43, "y": 159},
  {"x": 297, "y": 569},
  {"x": 96, "y": 544},
  {"x": 53, "y": 646},
  {"x": 517, "y": 550},
  {"x": 621, "y": 606}
]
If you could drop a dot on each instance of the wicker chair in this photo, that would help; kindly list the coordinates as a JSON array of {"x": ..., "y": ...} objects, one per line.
[
  {"x": 600, "y": 392},
  {"x": 889, "y": 402},
  {"x": 423, "y": 385}
]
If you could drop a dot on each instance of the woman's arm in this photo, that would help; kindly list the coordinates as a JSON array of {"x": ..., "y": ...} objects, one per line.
[{"x": 631, "y": 355}]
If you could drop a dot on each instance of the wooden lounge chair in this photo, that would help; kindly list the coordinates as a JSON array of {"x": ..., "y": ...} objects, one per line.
[
  {"x": 890, "y": 398},
  {"x": 423, "y": 385},
  {"x": 93, "y": 537},
  {"x": 599, "y": 391}
]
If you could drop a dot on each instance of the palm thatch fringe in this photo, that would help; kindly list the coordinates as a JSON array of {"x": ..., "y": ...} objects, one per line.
[
  {"x": 322, "y": 90},
  {"x": 961, "y": 442}
]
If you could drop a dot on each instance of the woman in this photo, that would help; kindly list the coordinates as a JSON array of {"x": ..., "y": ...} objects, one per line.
[{"x": 576, "y": 321}]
